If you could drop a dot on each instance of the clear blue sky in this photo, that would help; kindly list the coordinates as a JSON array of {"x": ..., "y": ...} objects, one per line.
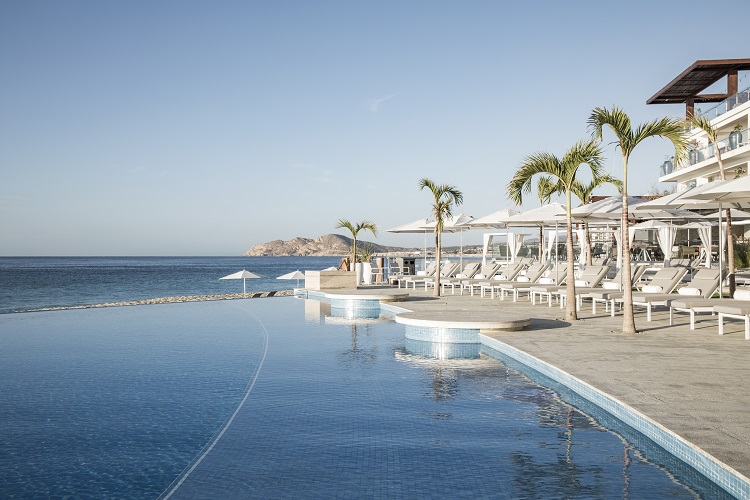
[{"x": 202, "y": 128}]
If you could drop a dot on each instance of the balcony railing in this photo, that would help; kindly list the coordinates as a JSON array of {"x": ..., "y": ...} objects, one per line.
[
  {"x": 727, "y": 104},
  {"x": 735, "y": 139}
]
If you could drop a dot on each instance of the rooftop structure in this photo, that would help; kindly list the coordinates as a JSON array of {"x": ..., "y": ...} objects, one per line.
[{"x": 730, "y": 116}]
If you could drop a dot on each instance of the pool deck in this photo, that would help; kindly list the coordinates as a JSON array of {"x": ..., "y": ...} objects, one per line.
[{"x": 692, "y": 382}]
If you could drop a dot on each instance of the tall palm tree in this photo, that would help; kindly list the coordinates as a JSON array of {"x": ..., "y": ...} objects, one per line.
[
  {"x": 627, "y": 139},
  {"x": 713, "y": 136},
  {"x": 564, "y": 170},
  {"x": 444, "y": 198},
  {"x": 355, "y": 229},
  {"x": 545, "y": 188},
  {"x": 584, "y": 193}
]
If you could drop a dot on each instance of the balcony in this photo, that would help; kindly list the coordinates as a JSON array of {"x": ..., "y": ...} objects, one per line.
[
  {"x": 726, "y": 105},
  {"x": 734, "y": 140}
]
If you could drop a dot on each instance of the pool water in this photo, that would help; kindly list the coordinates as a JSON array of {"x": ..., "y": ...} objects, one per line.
[{"x": 276, "y": 398}]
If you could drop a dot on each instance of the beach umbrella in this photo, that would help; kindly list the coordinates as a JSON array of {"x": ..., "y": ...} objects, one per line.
[
  {"x": 611, "y": 209},
  {"x": 495, "y": 219},
  {"x": 734, "y": 193},
  {"x": 241, "y": 275},
  {"x": 457, "y": 223},
  {"x": 417, "y": 226},
  {"x": 294, "y": 275}
]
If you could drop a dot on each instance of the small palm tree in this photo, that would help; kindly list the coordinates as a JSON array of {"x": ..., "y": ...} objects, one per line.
[
  {"x": 584, "y": 193},
  {"x": 713, "y": 136},
  {"x": 564, "y": 170},
  {"x": 444, "y": 198},
  {"x": 627, "y": 139},
  {"x": 545, "y": 188},
  {"x": 355, "y": 229}
]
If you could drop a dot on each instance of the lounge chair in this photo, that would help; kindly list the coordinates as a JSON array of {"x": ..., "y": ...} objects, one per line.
[
  {"x": 737, "y": 309},
  {"x": 449, "y": 270},
  {"x": 420, "y": 274},
  {"x": 552, "y": 281},
  {"x": 486, "y": 272},
  {"x": 664, "y": 281},
  {"x": 522, "y": 283},
  {"x": 508, "y": 273},
  {"x": 586, "y": 284},
  {"x": 469, "y": 271},
  {"x": 696, "y": 296}
]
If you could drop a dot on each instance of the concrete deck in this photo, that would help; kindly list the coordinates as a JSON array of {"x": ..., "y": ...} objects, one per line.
[{"x": 695, "y": 383}]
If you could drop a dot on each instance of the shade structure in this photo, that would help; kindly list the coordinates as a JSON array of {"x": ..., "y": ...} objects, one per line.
[
  {"x": 734, "y": 193},
  {"x": 546, "y": 215},
  {"x": 417, "y": 226},
  {"x": 683, "y": 200},
  {"x": 294, "y": 275},
  {"x": 457, "y": 223},
  {"x": 610, "y": 209},
  {"x": 241, "y": 275},
  {"x": 495, "y": 219}
]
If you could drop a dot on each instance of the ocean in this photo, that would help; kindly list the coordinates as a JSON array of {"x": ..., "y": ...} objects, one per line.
[{"x": 29, "y": 283}]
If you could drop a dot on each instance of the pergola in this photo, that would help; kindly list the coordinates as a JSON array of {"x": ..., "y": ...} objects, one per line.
[{"x": 686, "y": 87}]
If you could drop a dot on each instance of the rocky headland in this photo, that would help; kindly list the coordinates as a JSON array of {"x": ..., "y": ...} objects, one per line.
[{"x": 329, "y": 245}]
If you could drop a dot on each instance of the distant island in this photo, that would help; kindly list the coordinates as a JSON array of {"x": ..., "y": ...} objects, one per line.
[{"x": 336, "y": 245}]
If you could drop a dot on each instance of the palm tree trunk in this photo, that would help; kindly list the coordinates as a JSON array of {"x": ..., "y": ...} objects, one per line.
[
  {"x": 570, "y": 281},
  {"x": 730, "y": 254},
  {"x": 628, "y": 317},
  {"x": 437, "y": 261}
]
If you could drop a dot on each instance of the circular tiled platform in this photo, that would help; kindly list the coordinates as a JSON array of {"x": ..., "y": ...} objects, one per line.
[
  {"x": 465, "y": 320},
  {"x": 388, "y": 295}
]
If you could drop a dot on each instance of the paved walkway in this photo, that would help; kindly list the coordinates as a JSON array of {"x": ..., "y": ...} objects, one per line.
[{"x": 695, "y": 383}]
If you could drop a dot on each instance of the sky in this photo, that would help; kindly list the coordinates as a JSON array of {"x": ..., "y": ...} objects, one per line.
[{"x": 203, "y": 128}]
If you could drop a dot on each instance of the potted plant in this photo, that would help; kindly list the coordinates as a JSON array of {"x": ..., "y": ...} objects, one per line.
[
  {"x": 693, "y": 152},
  {"x": 366, "y": 255},
  {"x": 735, "y": 136}
]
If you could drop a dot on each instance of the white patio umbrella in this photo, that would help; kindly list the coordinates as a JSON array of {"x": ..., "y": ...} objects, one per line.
[
  {"x": 611, "y": 209},
  {"x": 417, "y": 226},
  {"x": 294, "y": 275},
  {"x": 457, "y": 223},
  {"x": 495, "y": 219},
  {"x": 734, "y": 193},
  {"x": 241, "y": 275},
  {"x": 546, "y": 215}
]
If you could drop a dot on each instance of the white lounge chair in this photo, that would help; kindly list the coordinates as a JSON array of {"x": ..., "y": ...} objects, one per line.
[
  {"x": 522, "y": 284},
  {"x": 664, "y": 282},
  {"x": 469, "y": 271}
]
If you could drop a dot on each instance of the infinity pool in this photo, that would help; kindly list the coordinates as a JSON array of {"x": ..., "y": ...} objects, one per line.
[{"x": 276, "y": 398}]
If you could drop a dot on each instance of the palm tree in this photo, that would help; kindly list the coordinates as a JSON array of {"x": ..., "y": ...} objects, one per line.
[
  {"x": 627, "y": 139},
  {"x": 564, "y": 170},
  {"x": 584, "y": 194},
  {"x": 444, "y": 198},
  {"x": 713, "y": 136},
  {"x": 355, "y": 229},
  {"x": 545, "y": 188}
]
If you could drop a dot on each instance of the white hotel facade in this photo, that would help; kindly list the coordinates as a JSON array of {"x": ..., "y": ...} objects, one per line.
[{"x": 729, "y": 113}]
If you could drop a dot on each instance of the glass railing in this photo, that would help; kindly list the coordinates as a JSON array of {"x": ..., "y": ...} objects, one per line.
[
  {"x": 727, "y": 104},
  {"x": 735, "y": 139}
]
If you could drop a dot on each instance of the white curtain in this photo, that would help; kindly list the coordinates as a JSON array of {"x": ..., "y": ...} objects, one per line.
[
  {"x": 617, "y": 233},
  {"x": 581, "y": 235},
  {"x": 551, "y": 239},
  {"x": 514, "y": 245},
  {"x": 666, "y": 236},
  {"x": 704, "y": 233}
]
